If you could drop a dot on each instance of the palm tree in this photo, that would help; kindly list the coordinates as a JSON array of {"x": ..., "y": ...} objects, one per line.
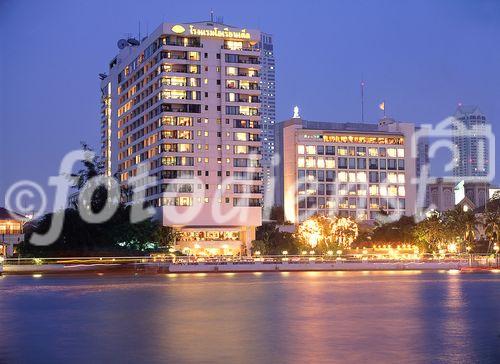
[
  {"x": 491, "y": 226},
  {"x": 461, "y": 225},
  {"x": 430, "y": 233}
]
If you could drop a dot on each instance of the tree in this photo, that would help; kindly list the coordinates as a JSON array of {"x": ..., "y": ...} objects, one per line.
[
  {"x": 345, "y": 231},
  {"x": 165, "y": 236},
  {"x": 461, "y": 226},
  {"x": 325, "y": 233},
  {"x": 277, "y": 214},
  {"x": 491, "y": 224},
  {"x": 400, "y": 231},
  {"x": 116, "y": 235},
  {"x": 270, "y": 241},
  {"x": 430, "y": 233}
]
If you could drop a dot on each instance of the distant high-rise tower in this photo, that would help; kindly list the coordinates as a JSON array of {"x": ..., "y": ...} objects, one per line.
[
  {"x": 473, "y": 160},
  {"x": 268, "y": 114}
]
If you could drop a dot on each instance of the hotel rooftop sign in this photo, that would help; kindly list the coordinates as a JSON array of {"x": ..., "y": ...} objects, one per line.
[{"x": 213, "y": 32}]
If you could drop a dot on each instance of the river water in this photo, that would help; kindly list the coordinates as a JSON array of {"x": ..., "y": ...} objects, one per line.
[{"x": 327, "y": 317}]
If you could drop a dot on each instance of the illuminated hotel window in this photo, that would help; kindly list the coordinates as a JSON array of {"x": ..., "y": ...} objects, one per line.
[
  {"x": 310, "y": 162},
  {"x": 321, "y": 162},
  {"x": 401, "y": 153},
  {"x": 392, "y": 177},
  {"x": 391, "y": 152},
  {"x": 392, "y": 191},
  {"x": 342, "y": 150},
  {"x": 352, "y": 176},
  {"x": 300, "y": 149},
  {"x": 330, "y": 162},
  {"x": 311, "y": 149},
  {"x": 234, "y": 45},
  {"x": 383, "y": 190},
  {"x": 361, "y": 177},
  {"x": 301, "y": 162},
  {"x": 374, "y": 190},
  {"x": 373, "y": 152},
  {"x": 240, "y": 137},
  {"x": 401, "y": 191},
  {"x": 342, "y": 176},
  {"x": 401, "y": 178}
]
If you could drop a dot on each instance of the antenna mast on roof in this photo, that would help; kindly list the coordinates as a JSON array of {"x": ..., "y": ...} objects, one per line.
[{"x": 362, "y": 99}]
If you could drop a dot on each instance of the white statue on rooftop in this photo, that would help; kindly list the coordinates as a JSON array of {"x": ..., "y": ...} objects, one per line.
[{"x": 296, "y": 112}]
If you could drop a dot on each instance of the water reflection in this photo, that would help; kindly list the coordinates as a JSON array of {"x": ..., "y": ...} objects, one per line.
[{"x": 251, "y": 317}]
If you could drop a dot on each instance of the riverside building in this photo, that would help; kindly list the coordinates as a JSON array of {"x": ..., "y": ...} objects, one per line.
[
  {"x": 346, "y": 169},
  {"x": 186, "y": 102}
]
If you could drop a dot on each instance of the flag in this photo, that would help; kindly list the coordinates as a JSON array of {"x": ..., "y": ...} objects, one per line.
[{"x": 381, "y": 106}]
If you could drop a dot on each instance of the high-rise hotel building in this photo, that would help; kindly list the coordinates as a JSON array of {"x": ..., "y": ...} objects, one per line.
[
  {"x": 186, "y": 101},
  {"x": 346, "y": 169},
  {"x": 473, "y": 148},
  {"x": 268, "y": 116}
]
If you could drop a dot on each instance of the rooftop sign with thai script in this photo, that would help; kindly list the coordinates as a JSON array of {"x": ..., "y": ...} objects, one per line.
[{"x": 213, "y": 32}]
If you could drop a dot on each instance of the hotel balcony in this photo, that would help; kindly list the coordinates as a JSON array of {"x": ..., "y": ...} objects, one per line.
[
  {"x": 230, "y": 97},
  {"x": 241, "y": 48},
  {"x": 181, "y": 108},
  {"x": 180, "y": 68}
]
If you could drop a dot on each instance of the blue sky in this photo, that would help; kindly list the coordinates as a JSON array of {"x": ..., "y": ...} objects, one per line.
[{"x": 422, "y": 57}]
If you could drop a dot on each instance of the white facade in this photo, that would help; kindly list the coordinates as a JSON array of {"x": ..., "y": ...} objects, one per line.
[
  {"x": 347, "y": 169},
  {"x": 186, "y": 103}
]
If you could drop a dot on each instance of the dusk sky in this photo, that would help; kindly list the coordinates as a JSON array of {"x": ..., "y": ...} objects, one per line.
[{"x": 422, "y": 57}]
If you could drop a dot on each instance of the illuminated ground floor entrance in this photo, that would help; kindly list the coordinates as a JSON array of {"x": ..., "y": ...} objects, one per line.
[{"x": 212, "y": 241}]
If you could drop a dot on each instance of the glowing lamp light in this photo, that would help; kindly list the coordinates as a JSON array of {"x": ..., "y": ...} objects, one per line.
[
  {"x": 311, "y": 252},
  {"x": 496, "y": 248},
  {"x": 304, "y": 252},
  {"x": 339, "y": 252},
  {"x": 257, "y": 253},
  {"x": 284, "y": 252},
  {"x": 452, "y": 248},
  {"x": 330, "y": 252}
]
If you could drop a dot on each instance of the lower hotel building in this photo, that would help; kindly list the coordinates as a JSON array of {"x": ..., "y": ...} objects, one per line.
[
  {"x": 186, "y": 102},
  {"x": 346, "y": 169}
]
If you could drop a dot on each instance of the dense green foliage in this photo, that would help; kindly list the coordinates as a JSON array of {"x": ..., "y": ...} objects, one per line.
[{"x": 114, "y": 236}]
